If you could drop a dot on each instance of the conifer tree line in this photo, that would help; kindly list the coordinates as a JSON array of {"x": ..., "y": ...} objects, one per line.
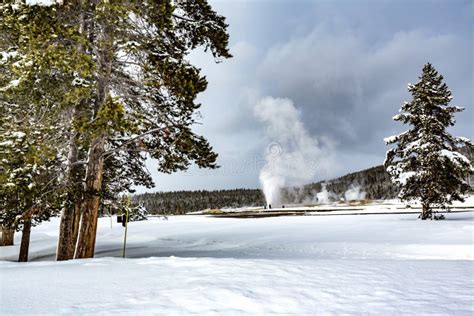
[
  {"x": 182, "y": 202},
  {"x": 88, "y": 91}
]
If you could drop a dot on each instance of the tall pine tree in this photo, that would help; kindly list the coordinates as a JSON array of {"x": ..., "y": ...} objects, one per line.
[
  {"x": 41, "y": 84},
  {"x": 426, "y": 163},
  {"x": 124, "y": 90}
]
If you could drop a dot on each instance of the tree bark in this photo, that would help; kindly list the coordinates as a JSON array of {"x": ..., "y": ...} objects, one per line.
[
  {"x": 90, "y": 206},
  {"x": 25, "y": 239},
  {"x": 68, "y": 232},
  {"x": 70, "y": 214},
  {"x": 8, "y": 235},
  {"x": 426, "y": 212}
]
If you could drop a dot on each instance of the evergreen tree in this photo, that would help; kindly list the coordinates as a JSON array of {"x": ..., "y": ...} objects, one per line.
[
  {"x": 123, "y": 88},
  {"x": 138, "y": 213},
  {"x": 146, "y": 90},
  {"x": 426, "y": 162},
  {"x": 30, "y": 163},
  {"x": 31, "y": 135},
  {"x": 40, "y": 83}
]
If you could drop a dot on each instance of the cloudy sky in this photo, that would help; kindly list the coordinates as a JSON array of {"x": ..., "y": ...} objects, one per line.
[{"x": 344, "y": 64}]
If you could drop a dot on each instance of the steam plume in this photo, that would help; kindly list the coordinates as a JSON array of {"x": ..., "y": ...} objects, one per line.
[
  {"x": 354, "y": 193},
  {"x": 291, "y": 157}
]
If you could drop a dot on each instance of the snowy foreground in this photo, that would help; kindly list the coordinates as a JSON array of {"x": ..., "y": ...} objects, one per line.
[{"x": 372, "y": 264}]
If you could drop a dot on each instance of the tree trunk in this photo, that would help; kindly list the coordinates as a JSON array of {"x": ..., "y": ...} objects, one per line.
[
  {"x": 426, "y": 212},
  {"x": 95, "y": 162},
  {"x": 8, "y": 235},
  {"x": 70, "y": 214},
  {"x": 68, "y": 232},
  {"x": 90, "y": 206},
  {"x": 25, "y": 239}
]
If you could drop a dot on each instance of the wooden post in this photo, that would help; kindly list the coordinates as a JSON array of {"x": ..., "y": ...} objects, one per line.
[
  {"x": 127, "y": 204},
  {"x": 110, "y": 213}
]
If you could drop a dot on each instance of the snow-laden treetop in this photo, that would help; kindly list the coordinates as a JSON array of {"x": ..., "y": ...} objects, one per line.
[{"x": 45, "y": 3}]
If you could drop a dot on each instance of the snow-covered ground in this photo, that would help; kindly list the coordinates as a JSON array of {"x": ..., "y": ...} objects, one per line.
[{"x": 373, "y": 264}]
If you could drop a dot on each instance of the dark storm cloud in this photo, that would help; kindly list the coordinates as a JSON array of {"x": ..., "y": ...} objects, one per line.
[
  {"x": 345, "y": 65},
  {"x": 347, "y": 89}
]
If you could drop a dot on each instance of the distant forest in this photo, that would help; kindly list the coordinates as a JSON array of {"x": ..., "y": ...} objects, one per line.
[
  {"x": 374, "y": 182},
  {"x": 181, "y": 202}
]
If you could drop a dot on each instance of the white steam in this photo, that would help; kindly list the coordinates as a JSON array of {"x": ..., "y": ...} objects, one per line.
[
  {"x": 322, "y": 197},
  {"x": 325, "y": 197},
  {"x": 354, "y": 193},
  {"x": 290, "y": 159}
]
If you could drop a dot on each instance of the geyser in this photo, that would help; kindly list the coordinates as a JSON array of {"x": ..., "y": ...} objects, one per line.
[{"x": 291, "y": 156}]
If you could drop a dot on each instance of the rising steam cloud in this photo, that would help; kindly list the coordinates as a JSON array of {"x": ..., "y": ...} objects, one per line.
[
  {"x": 292, "y": 157},
  {"x": 354, "y": 193}
]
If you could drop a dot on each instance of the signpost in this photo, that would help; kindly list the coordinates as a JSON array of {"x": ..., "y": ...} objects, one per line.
[
  {"x": 110, "y": 214},
  {"x": 127, "y": 206}
]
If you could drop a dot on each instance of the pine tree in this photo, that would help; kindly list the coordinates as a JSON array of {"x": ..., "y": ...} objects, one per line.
[
  {"x": 146, "y": 90},
  {"x": 426, "y": 162},
  {"x": 30, "y": 162},
  {"x": 124, "y": 88},
  {"x": 41, "y": 69},
  {"x": 138, "y": 213}
]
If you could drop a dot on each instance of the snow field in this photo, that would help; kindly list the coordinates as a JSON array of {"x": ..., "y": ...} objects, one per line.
[
  {"x": 228, "y": 286},
  {"x": 373, "y": 264}
]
